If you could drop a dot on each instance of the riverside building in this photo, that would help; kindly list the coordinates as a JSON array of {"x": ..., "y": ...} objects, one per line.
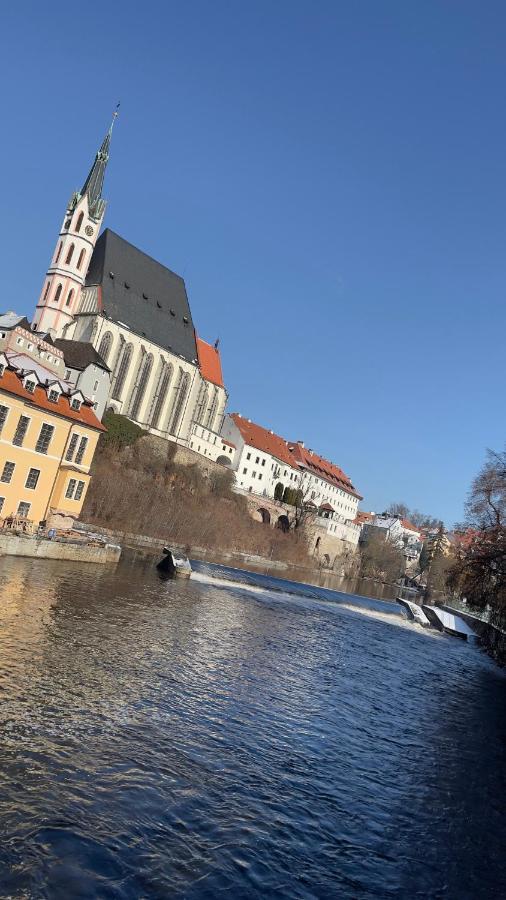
[
  {"x": 100, "y": 289},
  {"x": 48, "y": 436}
]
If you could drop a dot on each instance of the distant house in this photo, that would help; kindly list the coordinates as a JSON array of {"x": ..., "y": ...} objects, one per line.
[{"x": 86, "y": 369}]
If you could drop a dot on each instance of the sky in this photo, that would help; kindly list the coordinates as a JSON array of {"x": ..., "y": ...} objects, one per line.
[{"x": 328, "y": 178}]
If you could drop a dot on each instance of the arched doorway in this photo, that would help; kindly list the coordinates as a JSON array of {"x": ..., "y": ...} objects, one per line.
[
  {"x": 284, "y": 523},
  {"x": 265, "y": 515}
]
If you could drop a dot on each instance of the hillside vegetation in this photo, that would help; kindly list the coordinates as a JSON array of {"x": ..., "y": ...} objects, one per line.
[{"x": 134, "y": 489}]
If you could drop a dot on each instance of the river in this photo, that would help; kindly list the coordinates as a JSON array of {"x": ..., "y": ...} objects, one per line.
[{"x": 239, "y": 736}]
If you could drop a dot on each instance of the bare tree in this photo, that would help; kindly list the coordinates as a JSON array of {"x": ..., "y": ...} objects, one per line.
[{"x": 479, "y": 573}]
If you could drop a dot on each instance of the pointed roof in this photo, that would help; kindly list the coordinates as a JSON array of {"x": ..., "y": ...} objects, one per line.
[
  {"x": 95, "y": 180},
  {"x": 209, "y": 362}
]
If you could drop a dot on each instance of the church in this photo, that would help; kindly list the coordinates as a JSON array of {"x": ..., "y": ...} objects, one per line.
[{"x": 135, "y": 312}]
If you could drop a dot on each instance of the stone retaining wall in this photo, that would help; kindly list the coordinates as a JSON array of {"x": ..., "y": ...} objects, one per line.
[{"x": 16, "y": 545}]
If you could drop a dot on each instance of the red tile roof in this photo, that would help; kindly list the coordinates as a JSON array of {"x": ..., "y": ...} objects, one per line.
[
  {"x": 362, "y": 517},
  {"x": 409, "y": 525},
  {"x": 209, "y": 362},
  {"x": 322, "y": 468},
  {"x": 11, "y": 383},
  {"x": 264, "y": 440}
]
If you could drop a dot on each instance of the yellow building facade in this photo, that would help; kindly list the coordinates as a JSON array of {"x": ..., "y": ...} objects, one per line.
[{"x": 48, "y": 437}]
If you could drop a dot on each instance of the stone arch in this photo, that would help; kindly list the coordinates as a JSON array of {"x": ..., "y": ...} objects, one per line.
[
  {"x": 223, "y": 460},
  {"x": 283, "y": 523},
  {"x": 326, "y": 560},
  {"x": 265, "y": 515}
]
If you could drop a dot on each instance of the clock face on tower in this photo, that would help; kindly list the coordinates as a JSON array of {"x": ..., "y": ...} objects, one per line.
[{"x": 89, "y": 230}]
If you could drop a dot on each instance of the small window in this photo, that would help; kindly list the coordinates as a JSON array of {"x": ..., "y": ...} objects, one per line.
[
  {"x": 259, "y": 476},
  {"x": 21, "y": 429},
  {"x": 79, "y": 490},
  {"x": 127, "y": 285},
  {"x": 263, "y": 461},
  {"x": 53, "y": 396},
  {"x": 81, "y": 258},
  {"x": 244, "y": 471},
  {"x": 69, "y": 493},
  {"x": 67, "y": 374},
  {"x": 46, "y": 292},
  {"x": 58, "y": 293},
  {"x": 68, "y": 258},
  {"x": 57, "y": 257},
  {"x": 172, "y": 312},
  {"x": 2, "y": 501},
  {"x": 145, "y": 296},
  {"x": 111, "y": 274},
  {"x": 32, "y": 479},
  {"x": 44, "y": 439},
  {"x": 30, "y": 386},
  {"x": 253, "y": 474},
  {"x": 24, "y": 509},
  {"x": 19, "y": 341},
  {"x": 3, "y": 415},
  {"x": 95, "y": 386},
  {"x": 185, "y": 320},
  {"x": 69, "y": 456},
  {"x": 159, "y": 305},
  {"x": 79, "y": 221},
  {"x": 70, "y": 295},
  {"x": 248, "y": 456},
  {"x": 75, "y": 403},
  {"x": 8, "y": 471},
  {"x": 258, "y": 460}
]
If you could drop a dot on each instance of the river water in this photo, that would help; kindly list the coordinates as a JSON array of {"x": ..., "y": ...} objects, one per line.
[{"x": 237, "y": 736}]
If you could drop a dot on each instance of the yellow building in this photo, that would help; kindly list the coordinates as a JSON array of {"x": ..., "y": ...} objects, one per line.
[{"x": 48, "y": 436}]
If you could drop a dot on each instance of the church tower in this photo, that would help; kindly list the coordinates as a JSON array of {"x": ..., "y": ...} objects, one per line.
[{"x": 61, "y": 292}]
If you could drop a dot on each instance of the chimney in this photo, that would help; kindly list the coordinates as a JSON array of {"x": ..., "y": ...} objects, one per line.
[{"x": 301, "y": 444}]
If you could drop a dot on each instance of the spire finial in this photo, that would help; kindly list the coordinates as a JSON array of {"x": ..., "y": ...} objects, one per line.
[{"x": 115, "y": 115}]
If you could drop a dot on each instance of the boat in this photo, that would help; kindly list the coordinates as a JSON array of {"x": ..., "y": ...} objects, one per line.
[{"x": 175, "y": 564}]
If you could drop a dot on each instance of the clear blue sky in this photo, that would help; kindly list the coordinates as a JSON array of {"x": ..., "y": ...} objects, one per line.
[{"x": 328, "y": 177}]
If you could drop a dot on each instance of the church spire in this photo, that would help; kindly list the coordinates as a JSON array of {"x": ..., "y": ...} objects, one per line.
[{"x": 95, "y": 180}]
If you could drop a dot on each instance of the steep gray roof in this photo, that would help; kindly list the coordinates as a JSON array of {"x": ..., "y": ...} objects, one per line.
[
  {"x": 79, "y": 354},
  {"x": 11, "y": 319},
  {"x": 142, "y": 294}
]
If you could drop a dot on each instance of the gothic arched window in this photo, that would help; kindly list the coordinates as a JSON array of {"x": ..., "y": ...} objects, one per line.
[
  {"x": 81, "y": 258},
  {"x": 58, "y": 293},
  {"x": 140, "y": 387},
  {"x": 58, "y": 253},
  {"x": 181, "y": 391},
  {"x": 123, "y": 367},
  {"x": 211, "y": 413},
  {"x": 69, "y": 255},
  {"x": 160, "y": 394},
  {"x": 200, "y": 408},
  {"x": 79, "y": 221},
  {"x": 68, "y": 301},
  {"x": 105, "y": 346},
  {"x": 46, "y": 292}
]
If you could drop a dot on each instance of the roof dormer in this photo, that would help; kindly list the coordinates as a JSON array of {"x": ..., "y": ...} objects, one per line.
[
  {"x": 30, "y": 381},
  {"x": 4, "y": 362},
  {"x": 76, "y": 400},
  {"x": 54, "y": 391}
]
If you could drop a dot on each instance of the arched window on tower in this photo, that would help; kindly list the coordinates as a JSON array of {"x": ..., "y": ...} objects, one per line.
[
  {"x": 79, "y": 221},
  {"x": 181, "y": 391},
  {"x": 81, "y": 258},
  {"x": 68, "y": 301},
  {"x": 58, "y": 293},
  {"x": 140, "y": 388},
  {"x": 58, "y": 252},
  {"x": 46, "y": 292},
  {"x": 70, "y": 254},
  {"x": 164, "y": 379},
  {"x": 123, "y": 367},
  {"x": 105, "y": 346}
]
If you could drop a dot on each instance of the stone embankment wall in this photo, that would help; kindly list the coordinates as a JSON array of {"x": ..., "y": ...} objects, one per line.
[
  {"x": 490, "y": 637},
  {"x": 16, "y": 545}
]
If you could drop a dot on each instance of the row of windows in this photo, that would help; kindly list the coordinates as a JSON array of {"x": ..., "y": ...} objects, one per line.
[
  {"x": 257, "y": 460},
  {"x": 23, "y": 508},
  {"x": 76, "y": 447},
  {"x": 69, "y": 256},
  {"x": 75, "y": 489},
  {"x": 31, "y": 479},
  {"x": 58, "y": 294},
  {"x": 20, "y": 342},
  {"x": 253, "y": 474}
]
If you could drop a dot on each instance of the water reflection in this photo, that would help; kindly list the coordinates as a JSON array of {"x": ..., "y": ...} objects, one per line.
[{"x": 228, "y": 734}]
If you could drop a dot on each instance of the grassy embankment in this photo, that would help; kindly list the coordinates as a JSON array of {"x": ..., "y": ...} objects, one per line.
[{"x": 135, "y": 489}]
